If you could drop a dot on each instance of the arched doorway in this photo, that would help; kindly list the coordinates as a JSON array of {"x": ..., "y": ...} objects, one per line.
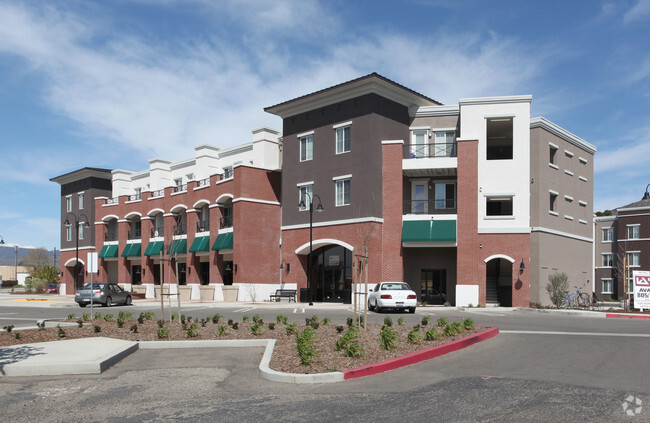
[
  {"x": 76, "y": 270},
  {"x": 498, "y": 282},
  {"x": 332, "y": 274}
]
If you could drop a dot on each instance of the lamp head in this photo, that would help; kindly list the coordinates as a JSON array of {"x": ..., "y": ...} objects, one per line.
[{"x": 320, "y": 208}]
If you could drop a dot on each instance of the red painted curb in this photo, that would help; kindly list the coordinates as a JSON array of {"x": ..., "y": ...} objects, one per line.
[
  {"x": 626, "y": 316},
  {"x": 418, "y": 356}
]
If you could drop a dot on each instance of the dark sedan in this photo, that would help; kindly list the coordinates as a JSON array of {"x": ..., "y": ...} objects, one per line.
[{"x": 102, "y": 293}]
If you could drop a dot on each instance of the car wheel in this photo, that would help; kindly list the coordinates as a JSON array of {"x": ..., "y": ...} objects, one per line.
[
  {"x": 370, "y": 306},
  {"x": 377, "y": 308},
  {"x": 128, "y": 300},
  {"x": 412, "y": 310},
  {"x": 82, "y": 304},
  {"x": 108, "y": 302}
]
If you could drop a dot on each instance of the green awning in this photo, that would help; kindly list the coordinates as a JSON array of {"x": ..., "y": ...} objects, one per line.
[
  {"x": 132, "y": 250},
  {"x": 154, "y": 248},
  {"x": 223, "y": 242},
  {"x": 108, "y": 251},
  {"x": 429, "y": 230},
  {"x": 178, "y": 246},
  {"x": 200, "y": 244}
]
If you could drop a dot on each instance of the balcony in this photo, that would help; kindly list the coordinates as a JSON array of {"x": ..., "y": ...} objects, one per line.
[
  {"x": 180, "y": 188},
  {"x": 135, "y": 197},
  {"x": 203, "y": 182},
  {"x": 447, "y": 206},
  {"x": 110, "y": 236},
  {"x": 228, "y": 173},
  {"x": 203, "y": 226},
  {"x": 423, "y": 151},
  {"x": 180, "y": 229},
  {"x": 158, "y": 193},
  {"x": 135, "y": 234},
  {"x": 157, "y": 231},
  {"x": 225, "y": 222},
  {"x": 114, "y": 200}
]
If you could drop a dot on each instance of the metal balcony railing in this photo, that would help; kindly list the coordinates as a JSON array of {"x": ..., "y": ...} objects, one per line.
[
  {"x": 110, "y": 236},
  {"x": 135, "y": 234},
  {"x": 180, "y": 188},
  {"x": 428, "y": 206},
  {"x": 158, "y": 193},
  {"x": 135, "y": 197},
  {"x": 180, "y": 229},
  {"x": 203, "y": 182},
  {"x": 422, "y": 151},
  {"x": 228, "y": 173},
  {"x": 203, "y": 226},
  {"x": 114, "y": 200},
  {"x": 225, "y": 222},
  {"x": 157, "y": 231}
]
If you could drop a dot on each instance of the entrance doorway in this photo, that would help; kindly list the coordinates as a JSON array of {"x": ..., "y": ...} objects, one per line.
[
  {"x": 332, "y": 274},
  {"x": 136, "y": 274},
  {"x": 433, "y": 286},
  {"x": 204, "y": 272},
  {"x": 498, "y": 282},
  {"x": 227, "y": 272}
]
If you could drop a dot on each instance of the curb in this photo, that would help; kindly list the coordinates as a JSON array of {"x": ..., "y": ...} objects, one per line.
[
  {"x": 562, "y": 312},
  {"x": 418, "y": 356},
  {"x": 626, "y": 316}
]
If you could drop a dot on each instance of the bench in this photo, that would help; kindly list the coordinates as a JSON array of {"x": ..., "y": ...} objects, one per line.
[{"x": 284, "y": 293}]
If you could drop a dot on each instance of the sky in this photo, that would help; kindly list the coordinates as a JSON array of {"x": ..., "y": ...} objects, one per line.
[{"x": 112, "y": 84}]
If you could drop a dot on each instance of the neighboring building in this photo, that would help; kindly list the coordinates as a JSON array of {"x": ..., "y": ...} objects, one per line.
[
  {"x": 624, "y": 235},
  {"x": 78, "y": 192},
  {"x": 475, "y": 200},
  {"x": 211, "y": 220}
]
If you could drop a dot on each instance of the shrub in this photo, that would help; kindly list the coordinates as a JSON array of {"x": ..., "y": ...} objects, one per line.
[
  {"x": 432, "y": 334},
  {"x": 442, "y": 321},
  {"x": 271, "y": 326},
  {"x": 327, "y": 321},
  {"x": 352, "y": 335},
  {"x": 235, "y": 325},
  {"x": 41, "y": 325},
  {"x": 97, "y": 329},
  {"x": 85, "y": 316},
  {"x": 305, "y": 345},
  {"x": 120, "y": 322},
  {"x": 60, "y": 332},
  {"x": 414, "y": 337},
  {"x": 256, "y": 329},
  {"x": 8, "y": 328},
  {"x": 400, "y": 321},
  {"x": 134, "y": 328},
  {"x": 425, "y": 320},
  {"x": 557, "y": 287},
  {"x": 291, "y": 329},
  {"x": 108, "y": 317},
  {"x": 222, "y": 330},
  {"x": 245, "y": 319},
  {"x": 174, "y": 317},
  {"x": 192, "y": 331},
  {"x": 230, "y": 322},
  {"x": 97, "y": 316},
  {"x": 350, "y": 321},
  {"x": 33, "y": 284},
  {"x": 313, "y": 321},
  {"x": 141, "y": 318},
  {"x": 257, "y": 319},
  {"x": 459, "y": 326},
  {"x": 161, "y": 323},
  {"x": 124, "y": 315},
  {"x": 80, "y": 323},
  {"x": 451, "y": 330},
  {"x": 163, "y": 333},
  {"x": 468, "y": 324},
  {"x": 183, "y": 319},
  {"x": 388, "y": 338},
  {"x": 354, "y": 350},
  {"x": 282, "y": 319},
  {"x": 17, "y": 335},
  {"x": 71, "y": 316},
  {"x": 416, "y": 327},
  {"x": 203, "y": 323},
  {"x": 149, "y": 315},
  {"x": 216, "y": 318},
  {"x": 339, "y": 329},
  {"x": 388, "y": 321},
  {"x": 360, "y": 321}
]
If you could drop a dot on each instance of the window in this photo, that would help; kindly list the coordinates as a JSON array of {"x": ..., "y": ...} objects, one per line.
[
  {"x": 498, "y": 206},
  {"x": 306, "y": 148},
  {"x": 552, "y": 200},
  {"x": 608, "y": 260},
  {"x": 68, "y": 204},
  {"x": 342, "y": 192},
  {"x": 227, "y": 172},
  {"x": 305, "y": 196},
  {"x": 419, "y": 146},
  {"x": 445, "y": 144},
  {"x": 552, "y": 151},
  {"x": 633, "y": 259},
  {"x": 81, "y": 201},
  {"x": 633, "y": 231},
  {"x": 608, "y": 286},
  {"x": 499, "y": 139},
  {"x": 342, "y": 140},
  {"x": 68, "y": 233},
  {"x": 81, "y": 230},
  {"x": 445, "y": 196},
  {"x": 607, "y": 234}
]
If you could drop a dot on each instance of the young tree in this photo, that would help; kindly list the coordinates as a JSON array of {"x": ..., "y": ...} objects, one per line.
[
  {"x": 557, "y": 287},
  {"x": 48, "y": 273},
  {"x": 36, "y": 258}
]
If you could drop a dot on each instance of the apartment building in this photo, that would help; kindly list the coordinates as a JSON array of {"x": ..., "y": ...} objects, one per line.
[
  {"x": 622, "y": 246},
  {"x": 475, "y": 201},
  {"x": 78, "y": 192}
]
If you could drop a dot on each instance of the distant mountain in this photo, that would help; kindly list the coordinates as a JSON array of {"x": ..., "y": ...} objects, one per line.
[{"x": 8, "y": 254}]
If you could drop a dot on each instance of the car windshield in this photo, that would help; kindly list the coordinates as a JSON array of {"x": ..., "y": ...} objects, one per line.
[
  {"x": 95, "y": 286},
  {"x": 395, "y": 287}
]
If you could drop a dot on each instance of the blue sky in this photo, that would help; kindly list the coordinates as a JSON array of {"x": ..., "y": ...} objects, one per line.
[{"x": 112, "y": 84}]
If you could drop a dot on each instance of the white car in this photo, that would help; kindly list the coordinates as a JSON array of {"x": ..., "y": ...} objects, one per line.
[{"x": 397, "y": 295}]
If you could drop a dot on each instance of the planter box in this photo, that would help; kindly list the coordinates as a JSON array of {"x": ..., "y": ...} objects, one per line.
[
  {"x": 186, "y": 292},
  {"x": 207, "y": 293},
  {"x": 230, "y": 293},
  {"x": 165, "y": 292}
]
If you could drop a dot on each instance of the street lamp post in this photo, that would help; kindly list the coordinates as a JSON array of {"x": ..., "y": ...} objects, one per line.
[
  {"x": 77, "y": 223},
  {"x": 319, "y": 208}
]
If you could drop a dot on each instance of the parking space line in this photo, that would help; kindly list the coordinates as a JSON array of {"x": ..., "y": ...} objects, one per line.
[
  {"x": 299, "y": 310},
  {"x": 244, "y": 310},
  {"x": 541, "y": 332}
]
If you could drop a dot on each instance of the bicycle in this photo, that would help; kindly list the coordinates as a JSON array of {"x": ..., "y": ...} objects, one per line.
[{"x": 581, "y": 299}]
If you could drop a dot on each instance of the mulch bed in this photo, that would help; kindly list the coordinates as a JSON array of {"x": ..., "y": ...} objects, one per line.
[{"x": 285, "y": 356}]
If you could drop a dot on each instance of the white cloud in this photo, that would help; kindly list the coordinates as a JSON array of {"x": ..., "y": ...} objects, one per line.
[{"x": 639, "y": 12}]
